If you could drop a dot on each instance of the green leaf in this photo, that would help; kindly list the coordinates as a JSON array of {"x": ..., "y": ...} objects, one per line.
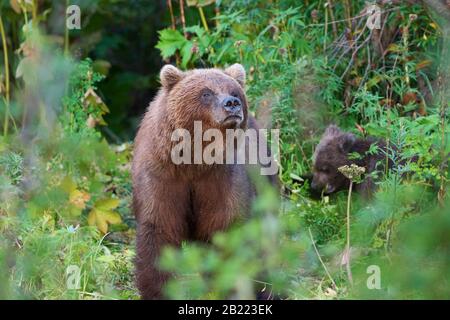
[
  {"x": 186, "y": 54},
  {"x": 169, "y": 42},
  {"x": 296, "y": 177}
]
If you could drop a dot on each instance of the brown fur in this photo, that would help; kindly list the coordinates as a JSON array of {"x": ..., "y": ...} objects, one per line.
[
  {"x": 333, "y": 152},
  {"x": 172, "y": 202}
]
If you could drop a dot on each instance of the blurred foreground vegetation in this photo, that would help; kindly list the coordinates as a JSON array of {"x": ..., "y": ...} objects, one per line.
[{"x": 71, "y": 101}]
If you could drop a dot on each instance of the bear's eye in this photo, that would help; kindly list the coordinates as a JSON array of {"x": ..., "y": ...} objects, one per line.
[
  {"x": 234, "y": 94},
  {"x": 206, "y": 94}
]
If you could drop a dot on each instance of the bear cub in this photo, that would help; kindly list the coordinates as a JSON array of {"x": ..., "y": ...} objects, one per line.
[
  {"x": 334, "y": 150},
  {"x": 176, "y": 202}
]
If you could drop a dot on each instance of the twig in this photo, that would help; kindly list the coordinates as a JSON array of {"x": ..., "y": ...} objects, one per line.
[
  {"x": 333, "y": 23},
  {"x": 362, "y": 15},
  {"x": 348, "y": 14},
  {"x": 183, "y": 18},
  {"x": 365, "y": 14},
  {"x": 174, "y": 27},
  {"x": 354, "y": 42},
  {"x": 321, "y": 261},
  {"x": 354, "y": 55},
  {"x": 366, "y": 73},
  {"x": 343, "y": 40},
  {"x": 172, "y": 17},
  {"x": 6, "y": 62}
]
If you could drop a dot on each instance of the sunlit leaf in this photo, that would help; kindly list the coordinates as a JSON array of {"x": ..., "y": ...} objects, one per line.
[
  {"x": 169, "y": 42},
  {"x": 102, "y": 214},
  {"x": 79, "y": 198},
  {"x": 423, "y": 64},
  {"x": 92, "y": 99},
  {"x": 186, "y": 54}
]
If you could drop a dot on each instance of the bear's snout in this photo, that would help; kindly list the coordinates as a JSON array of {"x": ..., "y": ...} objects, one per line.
[
  {"x": 315, "y": 185},
  {"x": 318, "y": 185},
  {"x": 319, "y": 182},
  {"x": 232, "y": 111},
  {"x": 232, "y": 104}
]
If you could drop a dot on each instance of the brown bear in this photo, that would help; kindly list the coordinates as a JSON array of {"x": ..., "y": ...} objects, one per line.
[
  {"x": 334, "y": 150},
  {"x": 175, "y": 202}
]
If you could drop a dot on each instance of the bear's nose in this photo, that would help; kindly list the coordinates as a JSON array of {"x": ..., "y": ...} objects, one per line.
[{"x": 232, "y": 104}]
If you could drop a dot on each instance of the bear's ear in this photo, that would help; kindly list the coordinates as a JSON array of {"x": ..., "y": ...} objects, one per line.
[
  {"x": 346, "y": 142},
  {"x": 332, "y": 131},
  {"x": 237, "y": 72},
  {"x": 170, "y": 76}
]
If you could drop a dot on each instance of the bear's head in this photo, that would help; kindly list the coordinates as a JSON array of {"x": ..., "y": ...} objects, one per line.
[
  {"x": 331, "y": 153},
  {"x": 213, "y": 96}
]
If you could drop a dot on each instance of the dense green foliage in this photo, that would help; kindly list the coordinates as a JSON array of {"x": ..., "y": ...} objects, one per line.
[{"x": 64, "y": 170}]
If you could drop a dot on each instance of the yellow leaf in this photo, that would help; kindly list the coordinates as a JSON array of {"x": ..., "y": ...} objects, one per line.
[
  {"x": 102, "y": 225},
  {"x": 102, "y": 215},
  {"x": 91, "y": 218},
  {"x": 48, "y": 220},
  {"x": 423, "y": 64},
  {"x": 199, "y": 3},
  {"x": 79, "y": 198},
  {"x": 15, "y": 5},
  {"x": 112, "y": 217},
  {"x": 91, "y": 98},
  {"x": 393, "y": 47},
  {"x": 68, "y": 185},
  {"x": 107, "y": 204}
]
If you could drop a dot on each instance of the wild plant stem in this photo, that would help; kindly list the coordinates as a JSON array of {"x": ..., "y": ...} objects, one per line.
[
  {"x": 202, "y": 17},
  {"x": 321, "y": 261},
  {"x": 444, "y": 94},
  {"x": 333, "y": 23},
  {"x": 6, "y": 62},
  {"x": 217, "y": 12},
  {"x": 183, "y": 18},
  {"x": 34, "y": 12},
  {"x": 205, "y": 24},
  {"x": 326, "y": 30},
  {"x": 25, "y": 16},
  {"x": 172, "y": 17},
  {"x": 347, "y": 250},
  {"x": 66, "y": 35},
  {"x": 347, "y": 13}
]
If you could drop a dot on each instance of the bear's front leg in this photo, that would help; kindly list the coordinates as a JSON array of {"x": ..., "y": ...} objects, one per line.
[
  {"x": 149, "y": 279},
  {"x": 161, "y": 221},
  {"x": 219, "y": 200}
]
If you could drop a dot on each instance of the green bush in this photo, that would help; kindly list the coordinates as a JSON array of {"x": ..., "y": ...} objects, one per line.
[{"x": 65, "y": 189}]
